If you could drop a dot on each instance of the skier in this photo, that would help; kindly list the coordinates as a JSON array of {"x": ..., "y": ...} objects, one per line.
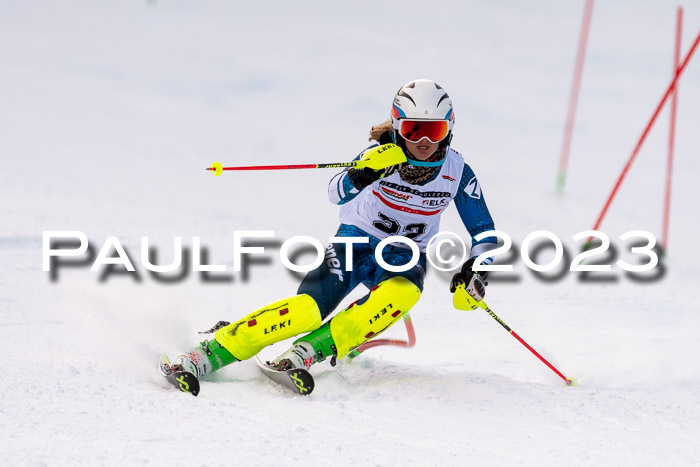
[{"x": 389, "y": 199}]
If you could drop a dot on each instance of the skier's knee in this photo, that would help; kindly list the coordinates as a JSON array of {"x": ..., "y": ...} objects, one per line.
[
  {"x": 365, "y": 319},
  {"x": 272, "y": 323}
]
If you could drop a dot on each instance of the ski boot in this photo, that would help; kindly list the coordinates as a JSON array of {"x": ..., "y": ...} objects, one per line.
[
  {"x": 306, "y": 351},
  {"x": 176, "y": 375},
  {"x": 195, "y": 362},
  {"x": 185, "y": 372},
  {"x": 300, "y": 355},
  {"x": 291, "y": 368}
]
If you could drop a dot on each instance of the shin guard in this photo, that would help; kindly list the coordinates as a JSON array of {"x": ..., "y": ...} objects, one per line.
[
  {"x": 275, "y": 322},
  {"x": 363, "y": 320}
]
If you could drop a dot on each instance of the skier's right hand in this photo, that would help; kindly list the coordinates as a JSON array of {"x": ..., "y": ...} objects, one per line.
[
  {"x": 381, "y": 157},
  {"x": 364, "y": 177},
  {"x": 376, "y": 163}
]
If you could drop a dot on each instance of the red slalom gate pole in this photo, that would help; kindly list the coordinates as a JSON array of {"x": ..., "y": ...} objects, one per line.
[
  {"x": 643, "y": 137},
  {"x": 568, "y": 381},
  {"x": 399, "y": 343},
  {"x": 573, "y": 96},
  {"x": 672, "y": 130}
]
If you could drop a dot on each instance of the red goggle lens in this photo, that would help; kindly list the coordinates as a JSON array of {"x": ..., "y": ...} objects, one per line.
[{"x": 435, "y": 130}]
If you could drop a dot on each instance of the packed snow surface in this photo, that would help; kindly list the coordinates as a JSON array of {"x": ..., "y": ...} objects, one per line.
[{"x": 110, "y": 113}]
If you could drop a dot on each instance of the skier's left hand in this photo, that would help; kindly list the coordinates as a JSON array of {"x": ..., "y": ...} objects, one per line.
[
  {"x": 465, "y": 275},
  {"x": 468, "y": 286}
]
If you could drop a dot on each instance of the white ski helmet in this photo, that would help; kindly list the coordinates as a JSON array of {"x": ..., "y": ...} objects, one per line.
[{"x": 422, "y": 109}]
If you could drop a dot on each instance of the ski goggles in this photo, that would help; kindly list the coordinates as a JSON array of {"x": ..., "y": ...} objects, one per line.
[{"x": 415, "y": 130}]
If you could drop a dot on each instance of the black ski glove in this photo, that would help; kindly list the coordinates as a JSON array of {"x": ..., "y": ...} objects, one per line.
[
  {"x": 364, "y": 177},
  {"x": 466, "y": 274}
]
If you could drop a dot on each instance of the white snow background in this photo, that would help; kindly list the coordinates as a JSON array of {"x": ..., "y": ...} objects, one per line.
[{"x": 111, "y": 111}]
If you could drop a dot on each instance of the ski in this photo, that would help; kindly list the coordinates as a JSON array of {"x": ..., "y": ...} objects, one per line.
[
  {"x": 183, "y": 380},
  {"x": 297, "y": 379}
]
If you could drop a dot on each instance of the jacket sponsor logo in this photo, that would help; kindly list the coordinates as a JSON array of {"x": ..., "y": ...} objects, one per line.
[
  {"x": 447, "y": 177},
  {"x": 333, "y": 262},
  {"x": 395, "y": 194},
  {"x": 473, "y": 189},
  {"x": 436, "y": 202},
  {"x": 422, "y": 194}
]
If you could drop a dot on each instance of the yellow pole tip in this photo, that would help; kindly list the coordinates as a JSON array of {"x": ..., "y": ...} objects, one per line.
[
  {"x": 216, "y": 168},
  {"x": 571, "y": 382}
]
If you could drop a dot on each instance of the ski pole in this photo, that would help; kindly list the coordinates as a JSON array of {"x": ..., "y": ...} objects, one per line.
[
  {"x": 376, "y": 158},
  {"x": 217, "y": 168},
  {"x": 569, "y": 381}
]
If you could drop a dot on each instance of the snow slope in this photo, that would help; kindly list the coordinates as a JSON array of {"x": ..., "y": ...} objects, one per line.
[{"x": 110, "y": 113}]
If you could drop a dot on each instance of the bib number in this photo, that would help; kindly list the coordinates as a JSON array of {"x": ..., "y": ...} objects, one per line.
[{"x": 392, "y": 227}]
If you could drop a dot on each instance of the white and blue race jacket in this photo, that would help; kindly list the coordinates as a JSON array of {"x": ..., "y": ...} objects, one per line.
[{"x": 390, "y": 206}]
